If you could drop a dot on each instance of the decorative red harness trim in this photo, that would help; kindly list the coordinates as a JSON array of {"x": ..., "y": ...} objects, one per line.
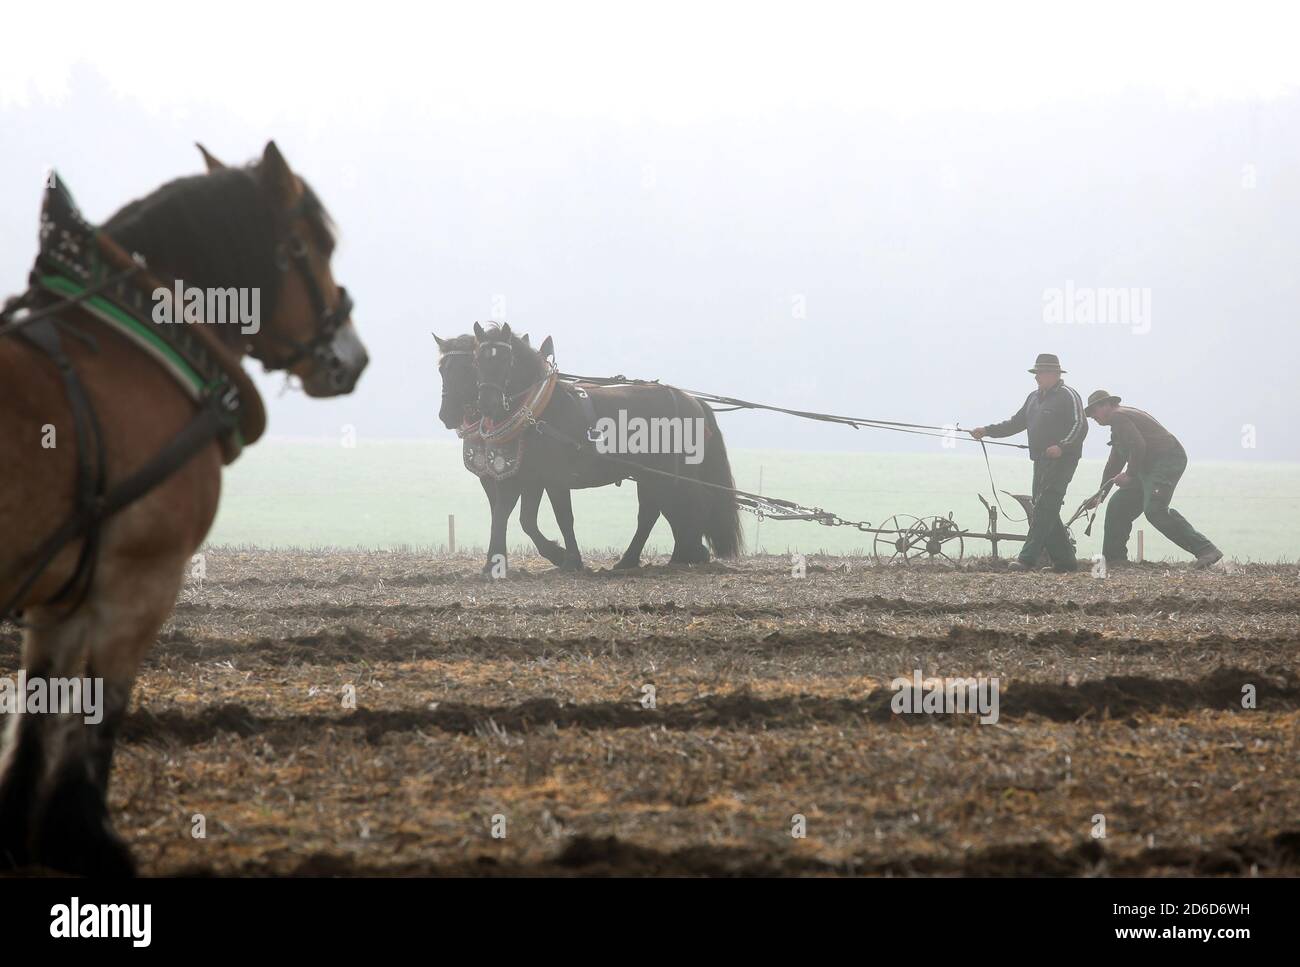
[{"x": 539, "y": 397}]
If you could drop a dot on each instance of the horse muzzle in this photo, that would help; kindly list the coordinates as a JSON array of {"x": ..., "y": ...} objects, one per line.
[
  {"x": 337, "y": 365},
  {"x": 454, "y": 415},
  {"x": 492, "y": 402}
]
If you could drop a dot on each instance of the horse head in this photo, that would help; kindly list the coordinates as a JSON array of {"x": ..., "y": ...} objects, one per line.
[
  {"x": 460, "y": 377},
  {"x": 459, "y": 381},
  {"x": 261, "y": 229},
  {"x": 506, "y": 366}
]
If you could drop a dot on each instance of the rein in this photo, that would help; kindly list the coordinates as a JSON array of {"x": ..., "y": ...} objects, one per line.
[
  {"x": 993, "y": 484},
  {"x": 726, "y": 404},
  {"x": 732, "y": 403},
  {"x": 763, "y": 506}
]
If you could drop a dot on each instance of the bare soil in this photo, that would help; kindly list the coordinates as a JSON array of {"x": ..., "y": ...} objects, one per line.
[{"x": 521, "y": 706}]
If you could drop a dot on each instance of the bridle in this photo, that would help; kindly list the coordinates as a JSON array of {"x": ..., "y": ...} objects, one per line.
[
  {"x": 469, "y": 411},
  {"x": 523, "y": 410},
  {"x": 291, "y": 252},
  {"x": 491, "y": 347}
]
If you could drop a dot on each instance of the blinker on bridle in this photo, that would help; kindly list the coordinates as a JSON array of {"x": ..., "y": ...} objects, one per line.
[
  {"x": 443, "y": 357},
  {"x": 492, "y": 346},
  {"x": 469, "y": 411},
  {"x": 292, "y": 253}
]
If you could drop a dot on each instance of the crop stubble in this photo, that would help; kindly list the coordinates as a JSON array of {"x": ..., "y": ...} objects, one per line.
[{"x": 523, "y": 699}]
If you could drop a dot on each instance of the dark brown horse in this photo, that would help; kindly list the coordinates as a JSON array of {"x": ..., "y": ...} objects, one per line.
[
  {"x": 109, "y": 395},
  {"x": 459, "y": 411},
  {"x": 579, "y": 441}
]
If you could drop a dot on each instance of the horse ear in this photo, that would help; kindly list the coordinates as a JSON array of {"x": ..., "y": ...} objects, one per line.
[
  {"x": 524, "y": 339},
  {"x": 478, "y": 331},
  {"x": 209, "y": 159},
  {"x": 278, "y": 177},
  {"x": 442, "y": 343},
  {"x": 547, "y": 349},
  {"x": 505, "y": 329}
]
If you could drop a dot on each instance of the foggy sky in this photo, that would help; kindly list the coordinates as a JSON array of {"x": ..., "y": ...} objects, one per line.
[{"x": 855, "y": 260}]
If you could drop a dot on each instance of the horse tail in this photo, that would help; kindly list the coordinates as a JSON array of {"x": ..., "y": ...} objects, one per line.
[{"x": 721, "y": 512}]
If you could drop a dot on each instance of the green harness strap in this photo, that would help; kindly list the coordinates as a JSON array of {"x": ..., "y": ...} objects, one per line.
[
  {"x": 133, "y": 329},
  {"x": 143, "y": 336}
]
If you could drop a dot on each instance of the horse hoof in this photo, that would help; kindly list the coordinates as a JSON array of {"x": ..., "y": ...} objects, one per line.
[
  {"x": 100, "y": 854},
  {"x": 74, "y": 834}
]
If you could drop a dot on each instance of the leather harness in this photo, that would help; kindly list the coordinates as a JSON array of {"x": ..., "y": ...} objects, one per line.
[
  {"x": 82, "y": 267},
  {"x": 495, "y": 450}
]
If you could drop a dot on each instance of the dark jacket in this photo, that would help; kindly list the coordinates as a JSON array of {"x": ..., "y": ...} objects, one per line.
[
  {"x": 1054, "y": 418},
  {"x": 1137, "y": 438}
]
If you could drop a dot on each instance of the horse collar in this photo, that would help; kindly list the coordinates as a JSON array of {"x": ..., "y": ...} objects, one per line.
[{"x": 536, "y": 398}]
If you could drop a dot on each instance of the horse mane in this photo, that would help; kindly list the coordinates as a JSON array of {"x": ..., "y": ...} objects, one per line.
[{"x": 218, "y": 230}]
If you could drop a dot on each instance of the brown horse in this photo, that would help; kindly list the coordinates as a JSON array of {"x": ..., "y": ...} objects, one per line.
[
  {"x": 689, "y": 485},
  {"x": 258, "y": 227}
]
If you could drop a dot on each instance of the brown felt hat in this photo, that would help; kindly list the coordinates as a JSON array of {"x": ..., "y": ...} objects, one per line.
[
  {"x": 1047, "y": 363},
  {"x": 1100, "y": 396}
]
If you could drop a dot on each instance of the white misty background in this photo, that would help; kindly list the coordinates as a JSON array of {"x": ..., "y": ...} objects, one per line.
[{"x": 838, "y": 209}]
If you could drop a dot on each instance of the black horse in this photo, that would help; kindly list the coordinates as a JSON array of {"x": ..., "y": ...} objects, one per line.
[
  {"x": 459, "y": 411},
  {"x": 688, "y": 481}
]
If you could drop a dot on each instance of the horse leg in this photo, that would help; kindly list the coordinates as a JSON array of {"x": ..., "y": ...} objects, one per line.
[
  {"x": 647, "y": 515},
  {"x": 504, "y": 494},
  {"x": 681, "y": 512},
  {"x": 562, "y": 506},
  {"x": 697, "y": 552},
  {"x": 73, "y": 831},
  {"x": 688, "y": 530},
  {"x": 51, "y": 650},
  {"x": 681, "y": 535},
  {"x": 697, "y": 506},
  {"x": 550, "y": 550}
]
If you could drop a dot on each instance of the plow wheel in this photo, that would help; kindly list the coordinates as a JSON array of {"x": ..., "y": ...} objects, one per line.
[
  {"x": 942, "y": 540},
  {"x": 929, "y": 538},
  {"x": 900, "y": 547}
]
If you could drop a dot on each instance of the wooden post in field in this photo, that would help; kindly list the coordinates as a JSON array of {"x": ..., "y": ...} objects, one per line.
[
  {"x": 451, "y": 533},
  {"x": 758, "y": 521},
  {"x": 1140, "y": 557}
]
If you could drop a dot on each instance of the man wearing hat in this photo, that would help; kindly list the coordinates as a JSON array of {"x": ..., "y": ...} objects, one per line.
[
  {"x": 1054, "y": 418},
  {"x": 1156, "y": 461}
]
